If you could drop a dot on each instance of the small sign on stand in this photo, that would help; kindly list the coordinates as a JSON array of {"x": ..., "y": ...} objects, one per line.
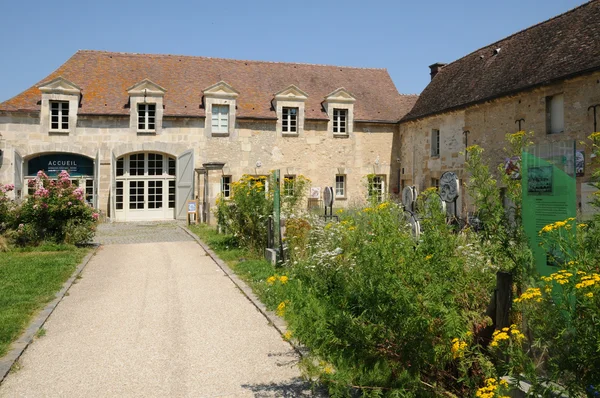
[
  {"x": 328, "y": 200},
  {"x": 192, "y": 211}
]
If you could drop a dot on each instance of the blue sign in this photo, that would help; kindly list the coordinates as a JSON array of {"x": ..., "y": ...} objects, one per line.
[{"x": 53, "y": 164}]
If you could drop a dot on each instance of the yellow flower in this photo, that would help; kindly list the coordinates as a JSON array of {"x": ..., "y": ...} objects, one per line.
[
  {"x": 531, "y": 293},
  {"x": 328, "y": 369},
  {"x": 271, "y": 280},
  {"x": 283, "y": 279},
  {"x": 594, "y": 136},
  {"x": 458, "y": 347},
  {"x": 383, "y": 206},
  {"x": 581, "y": 225},
  {"x": 472, "y": 148},
  {"x": 590, "y": 295},
  {"x": 287, "y": 335},
  {"x": 281, "y": 308},
  {"x": 428, "y": 257}
]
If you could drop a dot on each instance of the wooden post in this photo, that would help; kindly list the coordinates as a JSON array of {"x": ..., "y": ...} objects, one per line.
[{"x": 503, "y": 299}]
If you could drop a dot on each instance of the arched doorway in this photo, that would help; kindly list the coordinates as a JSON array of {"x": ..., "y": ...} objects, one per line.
[{"x": 145, "y": 187}]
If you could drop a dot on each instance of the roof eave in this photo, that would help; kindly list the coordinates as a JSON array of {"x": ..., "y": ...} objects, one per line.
[{"x": 500, "y": 95}]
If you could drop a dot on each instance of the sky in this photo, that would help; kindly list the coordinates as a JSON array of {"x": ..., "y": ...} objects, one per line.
[{"x": 403, "y": 37}]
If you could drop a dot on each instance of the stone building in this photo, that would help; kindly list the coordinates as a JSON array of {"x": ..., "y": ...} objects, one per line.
[
  {"x": 544, "y": 79},
  {"x": 133, "y": 128}
]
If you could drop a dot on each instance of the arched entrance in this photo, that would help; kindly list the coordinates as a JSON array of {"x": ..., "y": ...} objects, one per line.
[{"x": 145, "y": 187}]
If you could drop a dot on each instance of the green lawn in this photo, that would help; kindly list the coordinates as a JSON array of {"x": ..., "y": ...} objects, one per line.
[{"x": 29, "y": 278}]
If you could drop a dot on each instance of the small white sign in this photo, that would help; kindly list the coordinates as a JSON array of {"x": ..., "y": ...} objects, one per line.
[{"x": 315, "y": 192}]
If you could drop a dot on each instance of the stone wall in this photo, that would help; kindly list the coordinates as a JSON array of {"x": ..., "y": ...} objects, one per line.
[
  {"x": 315, "y": 154},
  {"x": 488, "y": 123}
]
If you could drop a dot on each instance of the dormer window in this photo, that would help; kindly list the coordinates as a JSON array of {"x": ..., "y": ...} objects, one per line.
[
  {"x": 289, "y": 106},
  {"x": 60, "y": 101},
  {"x": 147, "y": 117},
  {"x": 220, "y": 118},
  {"x": 146, "y": 107},
  {"x": 289, "y": 120},
  {"x": 340, "y": 121},
  {"x": 59, "y": 116},
  {"x": 220, "y": 103},
  {"x": 339, "y": 106}
]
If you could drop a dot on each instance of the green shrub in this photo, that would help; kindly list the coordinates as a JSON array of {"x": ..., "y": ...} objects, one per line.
[{"x": 381, "y": 310}]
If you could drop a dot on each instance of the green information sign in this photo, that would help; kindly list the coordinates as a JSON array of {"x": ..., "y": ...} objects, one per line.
[
  {"x": 53, "y": 164},
  {"x": 549, "y": 195}
]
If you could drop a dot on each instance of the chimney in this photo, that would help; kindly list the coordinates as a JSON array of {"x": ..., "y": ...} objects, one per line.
[{"x": 435, "y": 68}]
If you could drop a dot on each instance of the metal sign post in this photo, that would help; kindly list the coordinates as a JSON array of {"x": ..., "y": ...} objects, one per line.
[{"x": 277, "y": 214}]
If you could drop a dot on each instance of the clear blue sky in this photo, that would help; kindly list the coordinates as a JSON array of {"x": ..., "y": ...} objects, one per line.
[{"x": 404, "y": 37}]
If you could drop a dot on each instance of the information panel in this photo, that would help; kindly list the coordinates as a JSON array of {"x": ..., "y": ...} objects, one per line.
[{"x": 549, "y": 195}]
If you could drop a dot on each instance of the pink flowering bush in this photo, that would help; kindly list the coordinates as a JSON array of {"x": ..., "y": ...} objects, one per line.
[
  {"x": 55, "y": 212},
  {"x": 6, "y": 207}
]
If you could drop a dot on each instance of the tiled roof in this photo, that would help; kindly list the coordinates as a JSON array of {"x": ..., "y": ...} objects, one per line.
[
  {"x": 104, "y": 78},
  {"x": 564, "y": 46}
]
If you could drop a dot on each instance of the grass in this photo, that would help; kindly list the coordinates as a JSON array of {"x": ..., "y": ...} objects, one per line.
[
  {"x": 29, "y": 278},
  {"x": 250, "y": 267}
]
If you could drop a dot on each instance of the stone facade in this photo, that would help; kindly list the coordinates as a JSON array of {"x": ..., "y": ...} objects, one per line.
[
  {"x": 316, "y": 154},
  {"x": 488, "y": 123}
]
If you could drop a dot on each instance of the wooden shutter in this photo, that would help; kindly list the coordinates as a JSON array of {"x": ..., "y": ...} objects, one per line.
[
  {"x": 185, "y": 182},
  {"x": 18, "y": 176}
]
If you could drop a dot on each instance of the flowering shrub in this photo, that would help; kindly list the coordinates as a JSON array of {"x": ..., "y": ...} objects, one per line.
[
  {"x": 385, "y": 313},
  {"x": 6, "y": 207},
  {"x": 245, "y": 214},
  {"x": 55, "y": 212}
]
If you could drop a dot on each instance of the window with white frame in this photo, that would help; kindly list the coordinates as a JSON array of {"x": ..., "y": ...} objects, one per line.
[
  {"x": 340, "y": 121},
  {"x": 376, "y": 187},
  {"x": 435, "y": 182},
  {"x": 555, "y": 114},
  {"x": 220, "y": 118},
  {"x": 59, "y": 115},
  {"x": 147, "y": 117},
  {"x": 289, "y": 120},
  {"x": 288, "y": 185},
  {"x": 340, "y": 186},
  {"x": 226, "y": 187},
  {"x": 435, "y": 142}
]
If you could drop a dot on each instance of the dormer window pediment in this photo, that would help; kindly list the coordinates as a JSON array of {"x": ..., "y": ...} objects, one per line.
[
  {"x": 60, "y": 85},
  {"x": 146, "y": 88},
  {"x": 340, "y": 95},
  {"x": 291, "y": 93},
  {"x": 146, "y": 107},
  {"x": 221, "y": 90}
]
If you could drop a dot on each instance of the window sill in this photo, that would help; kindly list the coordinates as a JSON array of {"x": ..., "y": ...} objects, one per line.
[
  {"x": 341, "y": 198},
  {"x": 146, "y": 132},
  {"x": 220, "y": 134},
  {"x": 435, "y": 156},
  {"x": 286, "y": 134},
  {"x": 341, "y": 135},
  {"x": 61, "y": 132}
]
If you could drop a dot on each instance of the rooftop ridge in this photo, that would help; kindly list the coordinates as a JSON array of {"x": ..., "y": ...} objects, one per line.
[
  {"x": 522, "y": 31},
  {"x": 223, "y": 59}
]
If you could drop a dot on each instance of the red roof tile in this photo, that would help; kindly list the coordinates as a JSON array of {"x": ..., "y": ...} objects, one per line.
[{"x": 105, "y": 76}]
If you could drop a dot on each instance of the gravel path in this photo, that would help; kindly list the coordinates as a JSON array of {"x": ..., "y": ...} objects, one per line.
[{"x": 156, "y": 320}]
